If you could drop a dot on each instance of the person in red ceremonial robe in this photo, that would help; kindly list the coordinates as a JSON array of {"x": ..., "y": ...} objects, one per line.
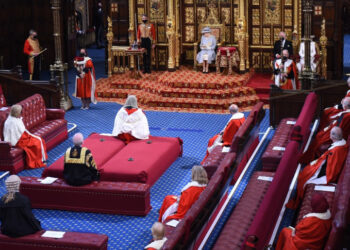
[
  {"x": 312, "y": 231},
  {"x": 17, "y": 135},
  {"x": 342, "y": 120},
  {"x": 225, "y": 137},
  {"x": 130, "y": 122},
  {"x": 158, "y": 233},
  {"x": 32, "y": 49},
  {"x": 285, "y": 73},
  {"x": 146, "y": 36},
  {"x": 348, "y": 92},
  {"x": 325, "y": 169},
  {"x": 85, "y": 82},
  {"x": 175, "y": 207}
]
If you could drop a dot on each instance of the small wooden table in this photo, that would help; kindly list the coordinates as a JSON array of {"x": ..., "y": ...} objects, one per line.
[
  {"x": 227, "y": 57},
  {"x": 136, "y": 53}
]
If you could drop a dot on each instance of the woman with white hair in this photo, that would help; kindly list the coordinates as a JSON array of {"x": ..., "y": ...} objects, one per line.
[
  {"x": 175, "y": 207},
  {"x": 79, "y": 165},
  {"x": 207, "y": 53},
  {"x": 130, "y": 122},
  {"x": 16, "y": 133},
  {"x": 16, "y": 214}
]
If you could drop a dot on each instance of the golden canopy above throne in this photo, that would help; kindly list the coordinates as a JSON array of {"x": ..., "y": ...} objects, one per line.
[{"x": 217, "y": 29}]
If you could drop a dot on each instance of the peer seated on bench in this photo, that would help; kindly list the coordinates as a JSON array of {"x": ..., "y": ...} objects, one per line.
[
  {"x": 224, "y": 138},
  {"x": 158, "y": 234},
  {"x": 176, "y": 207},
  {"x": 130, "y": 122},
  {"x": 312, "y": 231},
  {"x": 16, "y": 214},
  {"x": 79, "y": 165}
]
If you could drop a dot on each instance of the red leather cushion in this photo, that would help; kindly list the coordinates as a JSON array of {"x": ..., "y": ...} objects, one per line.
[
  {"x": 271, "y": 158},
  {"x": 102, "y": 148},
  {"x": 213, "y": 160},
  {"x": 49, "y": 129},
  {"x": 244, "y": 213},
  {"x": 2, "y": 98},
  {"x": 142, "y": 161},
  {"x": 33, "y": 111},
  {"x": 96, "y": 197},
  {"x": 70, "y": 240}
]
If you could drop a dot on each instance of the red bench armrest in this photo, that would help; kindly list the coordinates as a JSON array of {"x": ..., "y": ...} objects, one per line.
[
  {"x": 53, "y": 114},
  {"x": 5, "y": 148}
]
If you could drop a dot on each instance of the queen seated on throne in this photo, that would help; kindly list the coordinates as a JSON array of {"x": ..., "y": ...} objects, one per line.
[{"x": 207, "y": 53}]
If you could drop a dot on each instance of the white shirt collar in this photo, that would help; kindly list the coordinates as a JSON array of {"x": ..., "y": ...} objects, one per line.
[
  {"x": 193, "y": 184},
  {"x": 342, "y": 142},
  {"x": 323, "y": 216}
]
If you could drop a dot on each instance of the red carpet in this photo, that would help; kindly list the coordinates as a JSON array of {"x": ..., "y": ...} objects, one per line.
[
  {"x": 261, "y": 83},
  {"x": 182, "y": 90}
]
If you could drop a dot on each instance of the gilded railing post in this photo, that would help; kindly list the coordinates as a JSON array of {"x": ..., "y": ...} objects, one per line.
[
  {"x": 323, "y": 43},
  {"x": 177, "y": 36},
  {"x": 110, "y": 42},
  {"x": 170, "y": 33},
  {"x": 241, "y": 36},
  {"x": 132, "y": 27}
]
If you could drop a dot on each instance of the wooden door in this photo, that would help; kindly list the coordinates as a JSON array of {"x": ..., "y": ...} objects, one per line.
[{"x": 120, "y": 19}]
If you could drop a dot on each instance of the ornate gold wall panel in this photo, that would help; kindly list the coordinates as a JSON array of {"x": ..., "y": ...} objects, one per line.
[
  {"x": 161, "y": 38},
  {"x": 188, "y": 1},
  {"x": 266, "y": 36},
  {"x": 276, "y": 32},
  {"x": 288, "y": 2},
  {"x": 256, "y": 36},
  {"x": 256, "y": 60},
  {"x": 256, "y": 2},
  {"x": 189, "y": 33},
  {"x": 266, "y": 58},
  {"x": 272, "y": 12},
  {"x": 140, "y": 12},
  {"x": 226, "y": 15},
  {"x": 157, "y": 8},
  {"x": 189, "y": 54},
  {"x": 189, "y": 16},
  {"x": 162, "y": 57},
  {"x": 288, "y": 17},
  {"x": 256, "y": 16},
  {"x": 201, "y": 15}
]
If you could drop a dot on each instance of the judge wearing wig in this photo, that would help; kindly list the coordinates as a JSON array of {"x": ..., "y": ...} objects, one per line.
[
  {"x": 16, "y": 214},
  {"x": 175, "y": 207},
  {"x": 16, "y": 133},
  {"x": 312, "y": 231},
  {"x": 207, "y": 53},
  {"x": 130, "y": 122}
]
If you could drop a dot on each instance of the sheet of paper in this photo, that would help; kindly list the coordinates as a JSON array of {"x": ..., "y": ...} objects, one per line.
[
  {"x": 48, "y": 180},
  {"x": 53, "y": 234},
  {"x": 106, "y": 134},
  {"x": 265, "y": 178},
  {"x": 173, "y": 223},
  {"x": 325, "y": 188},
  {"x": 276, "y": 148},
  {"x": 226, "y": 149},
  {"x": 291, "y": 122},
  {"x": 3, "y": 108}
]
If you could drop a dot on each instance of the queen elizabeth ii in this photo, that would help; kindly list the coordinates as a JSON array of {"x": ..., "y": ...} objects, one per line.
[{"x": 207, "y": 53}]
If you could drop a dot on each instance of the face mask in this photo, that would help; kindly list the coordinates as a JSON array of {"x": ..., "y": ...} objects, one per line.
[
  {"x": 282, "y": 38},
  {"x": 284, "y": 58},
  {"x": 144, "y": 21},
  {"x": 35, "y": 37},
  {"x": 82, "y": 54}
]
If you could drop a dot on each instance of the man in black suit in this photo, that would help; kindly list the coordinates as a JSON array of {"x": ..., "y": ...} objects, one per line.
[
  {"x": 99, "y": 26},
  {"x": 281, "y": 45}
]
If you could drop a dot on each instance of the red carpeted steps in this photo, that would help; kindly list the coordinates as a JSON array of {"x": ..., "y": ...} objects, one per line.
[{"x": 261, "y": 83}]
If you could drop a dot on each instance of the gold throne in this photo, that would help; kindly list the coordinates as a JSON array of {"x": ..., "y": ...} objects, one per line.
[{"x": 217, "y": 29}]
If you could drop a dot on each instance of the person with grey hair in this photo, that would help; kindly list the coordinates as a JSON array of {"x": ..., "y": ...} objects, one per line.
[
  {"x": 79, "y": 165},
  {"x": 32, "y": 50},
  {"x": 158, "y": 234},
  {"x": 325, "y": 169},
  {"x": 207, "y": 53},
  {"x": 285, "y": 73},
  {"x": 225, "y": 137},
  {"x": 130, "y": 122},
  {"x": 17, "y": 135},
  {"x": 16, "y": 214},
  {"x": 175, "y": 207},
  {"x": 281, "y": 44}
]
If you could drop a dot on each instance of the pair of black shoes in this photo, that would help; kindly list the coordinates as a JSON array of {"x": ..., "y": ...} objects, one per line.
[{"x": 146, "y": 72}]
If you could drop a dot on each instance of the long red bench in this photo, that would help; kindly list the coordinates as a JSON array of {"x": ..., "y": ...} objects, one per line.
[
  {"x": 49, "y": 124},
  {"x": 215, "y": 157},
  {"x": 70, "y": 241},
  {"x": 142, "y": 161},
  {"x": 96, "y": 197},
  {"x": 274, "y": 151},
  {"x": 197, "y": 215},
  {"x": 267, "y": 215},
  {"x": 243, "y": 214}
]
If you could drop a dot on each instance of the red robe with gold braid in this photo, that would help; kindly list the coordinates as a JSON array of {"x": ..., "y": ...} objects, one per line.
[
  {"x": 86, "y": 87},
  {"x": 310, "y": 233},
  {"x": 189, "y": 194},
  {"x": 341, "y": 119},
  {"x": 30, "y": 47},
  {"x": 226, "y": 136},
  {"x": 146, "y": 30},
  {"x": 334, "y": 157},
  {"x": 291, "y": 81}
]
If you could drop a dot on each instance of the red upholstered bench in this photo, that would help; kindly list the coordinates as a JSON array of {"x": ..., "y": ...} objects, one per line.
[
  {"x": 49, "y": 124},
  {"x": 274, "y": 152},
  {"x": 142, "y": 161},
  {"x": 70, "y": 241},
  {"x": 243, "y": 214},
  {"x": 97, "y": 197}
]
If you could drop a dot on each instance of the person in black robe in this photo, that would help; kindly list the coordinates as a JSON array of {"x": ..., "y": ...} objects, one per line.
[
  {"x": 79, "y": 165},
  {"x": 16, "y": 214}
]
